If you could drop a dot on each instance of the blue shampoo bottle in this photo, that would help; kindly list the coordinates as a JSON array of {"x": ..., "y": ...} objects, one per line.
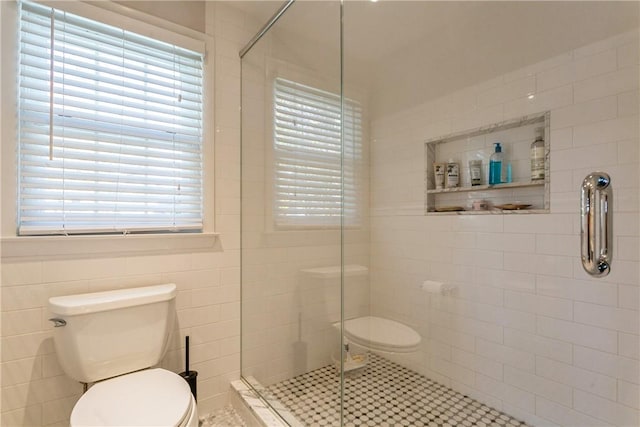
[{"x": 495, "y": 165}]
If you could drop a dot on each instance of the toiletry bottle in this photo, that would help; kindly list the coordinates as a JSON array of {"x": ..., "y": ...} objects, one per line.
[
  {"x": 453, "y": 174},
  {"x": 475, "y": 172},
  {"x": 495, "y": 165},
  {"x": 439, "y": 171},
  {"x": 537, "y": 156}
]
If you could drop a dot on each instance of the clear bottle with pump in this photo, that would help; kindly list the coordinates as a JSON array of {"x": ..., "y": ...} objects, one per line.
[
  {"x": 495, "y": 165},
  {"x": 537, "y": 156}
]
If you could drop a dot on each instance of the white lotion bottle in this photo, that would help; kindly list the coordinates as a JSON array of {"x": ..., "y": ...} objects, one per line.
[{"x": 537, "y": 156}]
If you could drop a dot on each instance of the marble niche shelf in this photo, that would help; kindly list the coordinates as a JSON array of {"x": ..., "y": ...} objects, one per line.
[{"x": 515, "y": 136}]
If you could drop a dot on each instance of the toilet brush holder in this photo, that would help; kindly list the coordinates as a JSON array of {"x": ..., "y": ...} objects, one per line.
[{"x": 191, "y": 377}]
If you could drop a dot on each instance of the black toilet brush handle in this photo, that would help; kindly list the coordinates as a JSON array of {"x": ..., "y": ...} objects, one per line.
[{"x": 186, "y": 340}]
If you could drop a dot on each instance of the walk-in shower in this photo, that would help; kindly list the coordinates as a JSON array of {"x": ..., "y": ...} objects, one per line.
[{"x": 374, "y": 295}]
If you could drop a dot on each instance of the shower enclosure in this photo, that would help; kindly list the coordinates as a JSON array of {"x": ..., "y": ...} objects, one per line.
[{"x": 372, "y": 297}]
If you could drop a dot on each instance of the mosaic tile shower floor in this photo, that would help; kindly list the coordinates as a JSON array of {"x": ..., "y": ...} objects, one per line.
[{"x": 383, "y": 394}]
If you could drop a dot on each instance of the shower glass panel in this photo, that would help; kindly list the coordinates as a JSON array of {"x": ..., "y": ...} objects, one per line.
[{"x": 292, "y": 207}]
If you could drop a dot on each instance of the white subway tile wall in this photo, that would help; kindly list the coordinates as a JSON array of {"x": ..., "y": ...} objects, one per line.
[
  {"x": 526, "y": 331},
  {"x": 35, "y": 391}
]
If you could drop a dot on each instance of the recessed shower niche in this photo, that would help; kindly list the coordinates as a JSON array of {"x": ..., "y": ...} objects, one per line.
[{"x": 515, "y": 194}]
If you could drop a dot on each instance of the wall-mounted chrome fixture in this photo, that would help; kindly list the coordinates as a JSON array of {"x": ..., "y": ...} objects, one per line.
[{"x": 596, "y": 224}]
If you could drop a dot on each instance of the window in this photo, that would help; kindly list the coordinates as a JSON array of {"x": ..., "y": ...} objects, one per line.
[
  {"x": 110, "y": 128},
  {"x": 308, "y": 185}
]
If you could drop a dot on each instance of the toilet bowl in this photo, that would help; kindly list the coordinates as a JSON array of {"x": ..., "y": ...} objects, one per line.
[
  {"x": 380, "y": 334},
  {"x": 152, "y": 397},
  {"x": 113, "y": 339}
]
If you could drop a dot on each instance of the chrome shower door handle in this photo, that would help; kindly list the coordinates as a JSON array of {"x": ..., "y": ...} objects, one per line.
[{"x": 596, "y": 223}]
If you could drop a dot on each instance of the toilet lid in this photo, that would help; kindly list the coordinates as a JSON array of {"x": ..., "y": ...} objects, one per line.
[
  {"x": 153, "y": 397},
  {"x": 381, "y": 334}
]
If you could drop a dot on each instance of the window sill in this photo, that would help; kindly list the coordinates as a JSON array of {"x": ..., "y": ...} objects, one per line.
[{"x": 47, "y": 247}]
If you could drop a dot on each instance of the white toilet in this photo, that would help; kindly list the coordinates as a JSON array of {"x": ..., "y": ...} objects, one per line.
[
  {"x": 368, "y": 332},
  {"x": 110, "y": 339}
]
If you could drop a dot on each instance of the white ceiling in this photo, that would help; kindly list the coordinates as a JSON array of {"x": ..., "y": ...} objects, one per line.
[
  {"x": 451, "y": 44},
  {"x": 189, "y": 14},
  {"x": 372, "y": 30}
]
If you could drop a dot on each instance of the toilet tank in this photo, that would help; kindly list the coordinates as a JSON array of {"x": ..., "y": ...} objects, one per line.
[
  {"x": 114, "y": 332},
  {"x": 322, "y": 297}
]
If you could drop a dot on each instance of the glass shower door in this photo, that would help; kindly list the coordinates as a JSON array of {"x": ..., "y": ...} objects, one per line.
[{"x": 292, "y": 214}]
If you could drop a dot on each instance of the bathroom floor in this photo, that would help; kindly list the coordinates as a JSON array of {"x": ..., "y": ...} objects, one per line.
[
  {"x": 225, "y": 417},
  {"x": 383, "y": 394}
]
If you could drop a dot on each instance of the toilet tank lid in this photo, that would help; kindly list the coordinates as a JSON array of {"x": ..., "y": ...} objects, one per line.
[{"x": 109, "y": 300}]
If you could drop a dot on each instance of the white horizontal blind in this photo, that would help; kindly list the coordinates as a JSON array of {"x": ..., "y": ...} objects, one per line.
[
  {"x": 309, "y": 190},
  {"x": 110, "y": 129}
]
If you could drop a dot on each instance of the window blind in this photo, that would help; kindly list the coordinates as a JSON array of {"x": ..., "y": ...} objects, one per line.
[
  {"x": 110, "y": 128},
  {"x": 315, "y": 184}
]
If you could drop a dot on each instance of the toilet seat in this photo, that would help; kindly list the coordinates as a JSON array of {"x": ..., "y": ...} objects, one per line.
[
  {"x": 381, "y": 334},
  {"x": 153, "y": 397}
]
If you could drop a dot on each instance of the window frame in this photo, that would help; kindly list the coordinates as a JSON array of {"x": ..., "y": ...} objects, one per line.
[
  {"x": 93, "y": 157},
  {"x": 140, "y": 22}
]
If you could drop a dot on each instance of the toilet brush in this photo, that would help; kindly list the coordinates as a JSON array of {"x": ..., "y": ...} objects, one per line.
[
  {"x": 186, "y": 356},
  {"x": 190, "y": 376}
]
